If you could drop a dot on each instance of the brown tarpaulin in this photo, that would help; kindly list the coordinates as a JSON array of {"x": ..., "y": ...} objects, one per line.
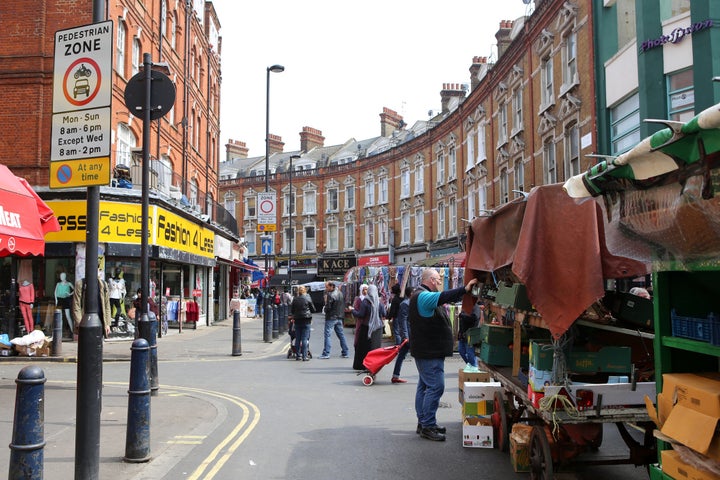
[{"x": 556, "y": 246}]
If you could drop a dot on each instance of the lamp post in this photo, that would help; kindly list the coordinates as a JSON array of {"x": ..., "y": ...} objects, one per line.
[
  {"x": 267, "y": 330},
  {"x": 292, "y": 226}
]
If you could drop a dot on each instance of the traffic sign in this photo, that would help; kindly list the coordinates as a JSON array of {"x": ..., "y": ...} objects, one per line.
[
  {"x": 82, "y": 98},
  {"x": 267, "y": 219},
  {"x": 266, "y": 245}
]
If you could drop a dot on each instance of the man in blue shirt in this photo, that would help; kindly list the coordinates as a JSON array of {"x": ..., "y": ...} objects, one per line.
[{"x": 431, "y": 340}]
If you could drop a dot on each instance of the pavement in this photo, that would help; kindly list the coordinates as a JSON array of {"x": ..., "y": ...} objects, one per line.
[{"x": 61, "y": 395}]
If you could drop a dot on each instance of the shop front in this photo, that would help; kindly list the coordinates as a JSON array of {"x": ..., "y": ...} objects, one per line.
[{"x": 181, "y": 257}]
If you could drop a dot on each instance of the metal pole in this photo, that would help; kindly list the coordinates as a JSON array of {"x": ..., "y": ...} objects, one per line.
[
  {"x": 144, "y": 327},
  {"x": 90, "y": 340}
]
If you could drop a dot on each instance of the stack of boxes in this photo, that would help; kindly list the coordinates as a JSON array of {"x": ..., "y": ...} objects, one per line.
[
  {"x": 520, "y": 447},
  {"x": 540, "y": 370},
  {"x": 477, "y": 394},
  {"x": 496, "y": 348},
  {"x": 688, "y": 411}
]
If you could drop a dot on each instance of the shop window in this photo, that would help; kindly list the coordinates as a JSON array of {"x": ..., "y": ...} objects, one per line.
[
  {"x": 681, "y": 96},
  {"x": 625, "y": 125}
]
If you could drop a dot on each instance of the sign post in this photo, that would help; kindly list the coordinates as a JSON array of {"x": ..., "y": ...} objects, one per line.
[{"x": 82, "y": 98}]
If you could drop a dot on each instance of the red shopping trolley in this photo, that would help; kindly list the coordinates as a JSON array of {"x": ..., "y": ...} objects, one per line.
[{"x": 378, "y": 358}]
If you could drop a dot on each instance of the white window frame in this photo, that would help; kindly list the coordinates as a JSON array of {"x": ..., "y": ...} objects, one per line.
[
  {"x": 570, "y": 72},
  {"x": 470, "y": 141},
  {"x": 383, "y": 191},
  {"x": 549, "y": 161},
  {"x": 333, "y": 244},
  {"x": 309, "y": 202},
  {"x": 625, "y": 124},
  {"x": 333, "y": 199},
  {"x": 441, "y": 220},
  {"x": 419, "y": 178},
  {"x": 369, "y": 234},
  {"x": 250, "y": 205},
  {"x": 124, "y": 144},
  {"x": 250, "y": 242},
  {"x": 369, "y": 193},
  {"x": 309, "y": 238},
  {"x": 572, "y": 150},
  {"x": 349, "y": 236},
  {"x": 502, "y": 124},
  {"x": 350, "y": 197},
  {"x": 452, "y": 217},
  {"x": 419, "y": 226},
  {"x": 136, "y": 54},
  {"x": 517, "y": 103},
  {"x": 120, "y": 48},
  {"x": 405, "y": 183},
  {"x": 405, "y": 228},
  {"x": 519, "y": 175},
  {"x": 440, "y": 168},
  {"x": 452, "y": 163},
  {"x": 382, "y": 233},
  {"x": 289, "y": 203},
  {"x": 547, "y": 97},
  {"x": 504, "y": 187}
]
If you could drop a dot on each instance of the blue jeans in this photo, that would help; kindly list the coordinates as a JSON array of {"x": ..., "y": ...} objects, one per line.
[
  {"x": 467, "y": 353},
  {"x": 302, "y": 339},
  {"x": 402, "y": 353},
  {"x": 430, "y": 388},
  {"x": 337, "y": 325}
]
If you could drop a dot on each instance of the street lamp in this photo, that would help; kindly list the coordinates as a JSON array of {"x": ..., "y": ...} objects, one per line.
[
  {"x": 292, "y": 226},
  {"x": 267, "y": 332}
]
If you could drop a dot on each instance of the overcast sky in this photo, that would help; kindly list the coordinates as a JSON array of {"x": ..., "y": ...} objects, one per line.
[{"x": 344, "y": 61}]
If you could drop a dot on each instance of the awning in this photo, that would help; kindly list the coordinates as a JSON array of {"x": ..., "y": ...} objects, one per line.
[
  {"x": 24, "y": 217},
  {"x": 297, "y": 279},
  {"x": 245, "y": 265},
  {"x": 456, "y": 259}
]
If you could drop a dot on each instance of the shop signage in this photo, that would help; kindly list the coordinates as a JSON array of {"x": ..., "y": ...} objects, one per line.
[
  {"x": 337, "y": 266},
  {"x": 374, "y": 261},
  {"x": 675, "y": 36},
  {"x": 122, "y": 223}
]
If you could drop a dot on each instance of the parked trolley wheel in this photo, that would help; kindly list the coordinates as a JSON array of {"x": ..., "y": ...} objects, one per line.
[
  {"x": 368, "y": 380},
  {"x": 500, "y": 421},
  {"x": 541, "y": 463}
]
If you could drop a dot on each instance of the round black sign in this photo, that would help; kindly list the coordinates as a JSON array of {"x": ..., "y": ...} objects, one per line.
[{"x": 162, "y": 94}]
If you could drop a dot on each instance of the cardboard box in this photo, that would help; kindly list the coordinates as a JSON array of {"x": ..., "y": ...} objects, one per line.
[
  {"x": 541, "y": 355},
  {"x": 537, "y": 379},
  {"x": 480, "y": 391},
  {"x": 478, "y": 409},
  {"x": 607, "y": 360},
  {"x": 674, "y": 466},
  {"x": 520, "y": 447},
  {"x": 534, "y": 397},
  {"x": 688, "y": 410},
  {"x": 33, "y": 350},
  {"x": 478, "y": 432},
  {"x": 471, "y": 377}
]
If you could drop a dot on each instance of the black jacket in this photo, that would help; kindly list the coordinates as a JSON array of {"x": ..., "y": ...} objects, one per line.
[
  {"x": 432, "y": 337},
  {"x": 302, "y": 308}
]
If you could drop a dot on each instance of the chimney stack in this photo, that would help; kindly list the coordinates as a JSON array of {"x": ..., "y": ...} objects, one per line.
[
  {"x": 477, "y": 64},
  {"x": 311, "y": 138},
  {"x": 275, "y": 144},
  {"x": 235, "y": 149},
  {"x": 503, "y": 36},
  {"x": 389, "y": 122},
  {"x": 450, "y": 96}
]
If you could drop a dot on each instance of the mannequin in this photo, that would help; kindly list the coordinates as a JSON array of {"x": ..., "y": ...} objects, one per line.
[
  {"x": 26, "y": 299},
  {"x": 63, "y": 299},
  {"x": 117, "y": 293},
  {"x": 103, "y": 302}
]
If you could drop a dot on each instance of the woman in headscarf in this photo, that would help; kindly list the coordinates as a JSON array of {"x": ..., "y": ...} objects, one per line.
[{"x": 368, "y": 326}]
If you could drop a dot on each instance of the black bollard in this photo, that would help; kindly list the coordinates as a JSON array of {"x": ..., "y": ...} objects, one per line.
[
  {"x": 26, "y": 449},
  {"x": 56, "y": 347},
  {"x": 267, "y": 324},
  {"x": 283, "y": 318},
  {"x": 275, "y": 322},
  {"x": 137, "y": 439},
  {"x": 236, "y": 345}
]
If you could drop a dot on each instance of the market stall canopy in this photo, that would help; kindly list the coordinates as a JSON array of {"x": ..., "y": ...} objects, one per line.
[
  {"x": 662, "y": 198},
  {"x": 24, "y": 217},
  {"x": 555, "y": 246},
  {"x": 456, "y": 259},
  {"x": 665, "y": 151}
]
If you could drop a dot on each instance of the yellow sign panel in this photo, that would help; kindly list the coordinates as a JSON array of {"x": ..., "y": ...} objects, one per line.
[
  {"x": 122, "y": 223},
  {"x": 176, "y": 232},
  {"x": 267, "y": 227},
  {"x": 119, "y": 222},
  {"x": 85, "y": 172}
]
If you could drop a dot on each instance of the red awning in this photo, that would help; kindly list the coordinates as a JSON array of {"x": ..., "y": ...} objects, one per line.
[
  {"x": 24, "y": 217},
  {"x": 245, "y": 266}
]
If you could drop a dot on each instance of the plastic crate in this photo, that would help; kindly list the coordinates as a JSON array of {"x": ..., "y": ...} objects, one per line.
[{"x": 700, "y": 329}]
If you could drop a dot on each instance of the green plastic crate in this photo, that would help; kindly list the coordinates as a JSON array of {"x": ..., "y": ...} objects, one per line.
[{"x": 514, "y": 295}]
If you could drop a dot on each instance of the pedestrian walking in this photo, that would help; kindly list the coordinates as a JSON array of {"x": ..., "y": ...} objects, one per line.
[
  {"x": 368, "y": 326},
  {"x": 334, "y": 314},
  {"x": 431, "y": 340},
  {"x": 392, "y": 312},
  {"x": 302, "y": 308},
  {"x": 402, "y": 330}
]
